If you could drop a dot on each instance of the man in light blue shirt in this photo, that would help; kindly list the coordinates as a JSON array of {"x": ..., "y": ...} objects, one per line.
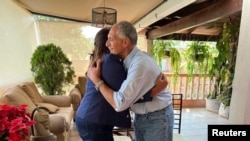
[{"x": 154, "y": 119}]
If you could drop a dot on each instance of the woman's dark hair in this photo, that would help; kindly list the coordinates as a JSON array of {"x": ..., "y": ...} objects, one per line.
[{"x": 100, "y": 48}]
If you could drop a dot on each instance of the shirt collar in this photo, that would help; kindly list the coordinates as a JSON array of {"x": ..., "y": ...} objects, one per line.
[{"x": 130, "y": 57}]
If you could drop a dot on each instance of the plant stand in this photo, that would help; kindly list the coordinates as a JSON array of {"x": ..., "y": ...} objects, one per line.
[{"x": 212, "y": 105}]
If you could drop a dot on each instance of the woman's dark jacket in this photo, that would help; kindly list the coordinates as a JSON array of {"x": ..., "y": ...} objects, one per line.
[{"x": 94, "y": 107}]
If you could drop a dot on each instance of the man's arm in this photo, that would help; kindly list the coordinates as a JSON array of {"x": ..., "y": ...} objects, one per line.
[
  {"x": 94, "y": 73},
  {"x": 161, "y": 84}
]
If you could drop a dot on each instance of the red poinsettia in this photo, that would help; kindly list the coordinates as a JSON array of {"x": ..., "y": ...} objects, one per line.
[{"x": 14, "y": 123}]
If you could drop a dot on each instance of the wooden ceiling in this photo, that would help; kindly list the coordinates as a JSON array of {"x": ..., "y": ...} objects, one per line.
[
  {"x": 187, "y": 19},
  {"x": 202, "y": 20}
]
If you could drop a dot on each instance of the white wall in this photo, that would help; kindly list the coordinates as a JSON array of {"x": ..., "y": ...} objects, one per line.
[
  {"x": 17, "y": 39},
  {"x": 239, "y": 107}
]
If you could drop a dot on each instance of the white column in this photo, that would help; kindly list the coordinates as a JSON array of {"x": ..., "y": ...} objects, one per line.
[{"x": 239, "y": 107}]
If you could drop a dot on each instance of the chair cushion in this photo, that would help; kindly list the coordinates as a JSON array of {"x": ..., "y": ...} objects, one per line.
[
  {"x": 31, "y": 90},
  {"x": 81, "y": 84}
]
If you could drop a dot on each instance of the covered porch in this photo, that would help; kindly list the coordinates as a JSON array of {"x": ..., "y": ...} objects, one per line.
[{"x": 19, "y": 39}]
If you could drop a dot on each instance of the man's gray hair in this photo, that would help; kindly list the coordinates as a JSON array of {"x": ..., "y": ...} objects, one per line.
[{"x": 126, "y": 29}]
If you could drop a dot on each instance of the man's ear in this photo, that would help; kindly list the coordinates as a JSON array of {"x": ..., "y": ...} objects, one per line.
[{"x": 125, "y": 42}]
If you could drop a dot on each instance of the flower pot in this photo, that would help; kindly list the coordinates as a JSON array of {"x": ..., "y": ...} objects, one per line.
[
  {"x": 224, "y": 111},
  {"x": 212, "y": 105}
]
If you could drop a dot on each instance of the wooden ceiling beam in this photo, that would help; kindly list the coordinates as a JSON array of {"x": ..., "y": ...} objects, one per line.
[
  {"x": 190, "y": 37},
  {"x": 216, "y": 11}
]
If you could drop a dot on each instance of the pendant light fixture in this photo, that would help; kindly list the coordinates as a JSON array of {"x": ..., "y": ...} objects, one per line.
[{"x": 103, "y": 16}]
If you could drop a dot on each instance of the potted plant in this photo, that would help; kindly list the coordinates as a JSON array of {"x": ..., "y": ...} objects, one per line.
[
  {"x": 199, "y": 58},
  {"x": 15, "y": 123},
  {"x": 224, "y": 64},
  {"x": 51, "y": 69},
  {"x": 159, "y": 50},
  {"x": 163, "y": 48}
]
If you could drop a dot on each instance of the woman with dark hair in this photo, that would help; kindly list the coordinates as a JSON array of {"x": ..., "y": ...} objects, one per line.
[{"x": 95, "y": 118}]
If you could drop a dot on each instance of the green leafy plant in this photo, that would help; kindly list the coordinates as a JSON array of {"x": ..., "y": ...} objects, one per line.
[
  {"x": 199, "y": 58},
  {"x": 51, "y": 69},
  {"x": 224, "y": 64},
  {"x": 163, "y": 48},
  {"x": 159, "y": 49},
  {"x": 175, "y": 62}
]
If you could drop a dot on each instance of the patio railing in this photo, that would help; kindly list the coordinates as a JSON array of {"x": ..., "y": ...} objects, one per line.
[{"x": 196, "y": 88}]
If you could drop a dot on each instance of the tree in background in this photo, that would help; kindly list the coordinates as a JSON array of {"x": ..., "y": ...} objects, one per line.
[{"x": 51, "y": 69}]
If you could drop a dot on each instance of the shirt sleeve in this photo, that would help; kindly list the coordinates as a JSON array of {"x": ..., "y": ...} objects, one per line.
[{"x": 138, "y": 83}]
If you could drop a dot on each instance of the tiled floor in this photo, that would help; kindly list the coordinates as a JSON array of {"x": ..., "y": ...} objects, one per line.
[
  {"x": 193, "y": 127},
  {"x": 195, "y": 122}
]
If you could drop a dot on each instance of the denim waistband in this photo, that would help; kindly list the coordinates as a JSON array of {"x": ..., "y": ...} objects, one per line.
[{"x": 155, "y": 112}]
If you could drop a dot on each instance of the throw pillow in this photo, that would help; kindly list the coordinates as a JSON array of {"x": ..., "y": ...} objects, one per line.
[
  {"x": 52, "y": 108},
  {"x": 32, "y": 92},
  {"x": 16, "y": 96}
]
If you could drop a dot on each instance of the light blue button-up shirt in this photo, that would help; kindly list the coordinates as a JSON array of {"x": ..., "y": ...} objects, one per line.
[{"x": 142, "y": 75}]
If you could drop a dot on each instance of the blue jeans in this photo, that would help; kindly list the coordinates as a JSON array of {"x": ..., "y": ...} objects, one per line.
[
  {"x": 90, "y": 131},
  {"x": 155, "y": 126}
]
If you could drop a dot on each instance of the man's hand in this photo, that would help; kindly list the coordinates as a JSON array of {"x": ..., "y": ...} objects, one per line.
[
  {"x": 161, "y": 83},
  {"x": 94, "y": 71},
  {"x": 94, "y": 74}
]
